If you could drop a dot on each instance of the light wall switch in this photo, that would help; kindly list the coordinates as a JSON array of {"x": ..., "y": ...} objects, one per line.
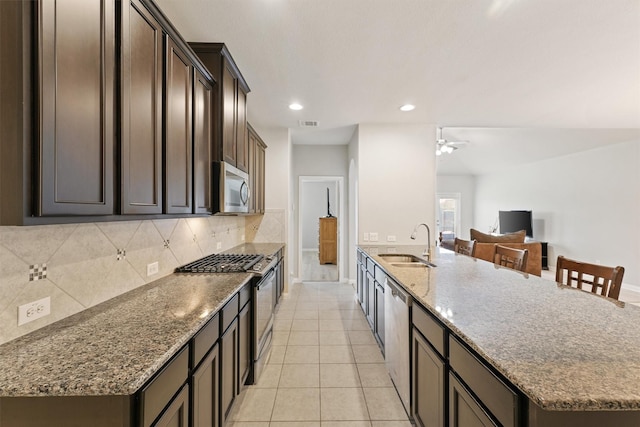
[
  {"x": 391, "y": 238},
  {"x": 219, "y": 245},
  {"x": 242, "y": 238},
  {"x": 373, "y": 237},
  {"x": 34, "y": 310},
  {"x": 152, "y": 268},
  {"x": 365, "y": 237}
]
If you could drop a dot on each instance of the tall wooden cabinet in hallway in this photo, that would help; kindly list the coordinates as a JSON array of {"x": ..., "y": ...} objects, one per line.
[{"x": 328, "y": 240}]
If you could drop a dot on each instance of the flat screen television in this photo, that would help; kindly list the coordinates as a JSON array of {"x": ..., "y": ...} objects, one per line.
[{"x": 512, "y": 221}]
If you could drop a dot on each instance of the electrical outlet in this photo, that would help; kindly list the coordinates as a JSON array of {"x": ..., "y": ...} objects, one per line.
[
  {"x": 219, "y": 245},
  {"x": 34, "y": 310},
  {"x": 365, "y": 237},
  {"x": 373, "y": 237},
  {"x": 152, "y": 268},
  {"x": 391, "y": 238}
]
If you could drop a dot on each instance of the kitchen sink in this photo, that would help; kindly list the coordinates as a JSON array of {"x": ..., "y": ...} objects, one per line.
[
  {"x": 398, "y": 258},
  {"x": 419, "y": 264}
]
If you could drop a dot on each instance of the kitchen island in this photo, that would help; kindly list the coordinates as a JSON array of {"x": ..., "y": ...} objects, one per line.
[
  {"x": 570, "y": 357},
  {"x": 93, "y": 365}
]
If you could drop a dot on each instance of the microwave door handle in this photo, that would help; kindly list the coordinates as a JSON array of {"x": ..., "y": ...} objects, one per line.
[{"x": 244, "y": 195}]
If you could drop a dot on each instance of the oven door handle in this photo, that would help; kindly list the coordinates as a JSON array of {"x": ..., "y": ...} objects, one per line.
[{"x": 266, "y": 280}]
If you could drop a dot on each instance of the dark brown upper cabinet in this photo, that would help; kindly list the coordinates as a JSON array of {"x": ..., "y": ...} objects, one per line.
[
  {"x": 97, "y": 114},
  {"x": 230, "y": 105},
  {"x": 202, "y": 137},
  {"x": 178, "y": 128},
  {"x": 141, "y": 111},
  {"x": 256, "y": 152},
  {"x": 76, "y": 82}
]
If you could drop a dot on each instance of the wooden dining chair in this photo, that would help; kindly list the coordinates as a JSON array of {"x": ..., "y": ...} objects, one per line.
[
  {"x": 513, "y": 258},
  {"x": 464, "y": 247},
  {"x": 603, "y": 280}
]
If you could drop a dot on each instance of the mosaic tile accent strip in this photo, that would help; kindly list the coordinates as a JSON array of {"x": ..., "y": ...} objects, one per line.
[{"x": 37, "y": 272}]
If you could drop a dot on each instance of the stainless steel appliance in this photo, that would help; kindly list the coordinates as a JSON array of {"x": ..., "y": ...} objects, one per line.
[
  {"x": 222, "y": 263},
  {"x": 264, "y": 295},
  {"x": 231, "y": 191},
  {"x": 396, "y": 332},
  {"x": 263, "y": 321}
]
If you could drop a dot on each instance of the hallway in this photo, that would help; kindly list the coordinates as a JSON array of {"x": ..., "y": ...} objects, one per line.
[{"x": 325, "y": 367}]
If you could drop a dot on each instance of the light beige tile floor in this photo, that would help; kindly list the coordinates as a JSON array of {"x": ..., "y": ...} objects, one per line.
[{"x": 325, "y": 368}]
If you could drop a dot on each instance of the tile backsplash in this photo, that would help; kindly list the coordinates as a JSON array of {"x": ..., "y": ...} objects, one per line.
[{"x": 81, "y": 265}]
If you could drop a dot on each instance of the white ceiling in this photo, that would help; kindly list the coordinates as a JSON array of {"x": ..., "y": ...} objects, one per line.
[{"x": 535, "y": 64}]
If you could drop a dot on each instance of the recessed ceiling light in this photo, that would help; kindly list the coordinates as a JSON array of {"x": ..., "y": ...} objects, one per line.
[
  {"x": 295, "y": 106},
  {"x": 407, "y": 107}
]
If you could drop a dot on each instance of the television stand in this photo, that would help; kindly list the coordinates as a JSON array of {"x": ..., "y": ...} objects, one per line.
[{"x": 545, "y": 252}]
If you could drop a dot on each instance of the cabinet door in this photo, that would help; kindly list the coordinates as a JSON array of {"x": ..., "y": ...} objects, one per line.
[
  {"x": 370, "y": 294},
  {"x": 178, "y": 122},
  {"x": 252, "y": 146},
  {"x": 464, "y": 411},
  {"x": 177, "y": 414},
  {"x": 202, "y": 138},
  {"x": 206, "y": 391},
  {"x": 359, "y": 281},
  {"x": 228, "y": 369},
  {"x": 427, "y": 384},
  {"x": 379, "y": 313},
  {"x": 76, "y": 83},
  {"x": 242, "y": 142},
  {"x": 141, "y": 119},
  {"x": 229, "y": 102},
  {"x": 244, "y": 351},
  {"x": 260, "y": 176}
]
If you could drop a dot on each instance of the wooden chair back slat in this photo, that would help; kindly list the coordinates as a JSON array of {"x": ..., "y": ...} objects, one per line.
[
  {"x": 513, "y": 258},
  {"x": 602, "y": 280},
  {"x": 464, "y": 247}
]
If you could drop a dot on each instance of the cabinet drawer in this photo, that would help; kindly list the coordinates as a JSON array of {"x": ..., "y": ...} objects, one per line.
[
  {"x": 157, "y": 394},
  {"x": 229, "y": 312},
  {"x": 370, "y": 266},
  {"x": 429, "y": 327},
  {"x": 245, "y": 295},
  {"x": 205, "y": 339},
  {"x": 379, "y": 274},
  {"x": 490, "y": 390}
]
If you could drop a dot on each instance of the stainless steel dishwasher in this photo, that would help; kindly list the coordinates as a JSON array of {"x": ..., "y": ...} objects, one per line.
[{"x": 396, "y": 331}]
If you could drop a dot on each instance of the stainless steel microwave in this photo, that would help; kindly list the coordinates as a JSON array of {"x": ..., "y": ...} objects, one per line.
[{"x": 231, "y": 191}]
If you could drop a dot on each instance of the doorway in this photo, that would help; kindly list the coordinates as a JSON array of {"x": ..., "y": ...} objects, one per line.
[
  {"x": 320, "y": 197},
  {"x": 448, "y": 220}
]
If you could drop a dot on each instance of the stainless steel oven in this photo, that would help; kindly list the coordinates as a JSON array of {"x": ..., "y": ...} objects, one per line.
[{"x": 263, "y": 318}]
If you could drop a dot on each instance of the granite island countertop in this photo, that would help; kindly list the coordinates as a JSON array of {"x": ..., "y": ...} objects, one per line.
[
  {"x": 116, "y": 346},
  {"x": 565, "y": 349}
]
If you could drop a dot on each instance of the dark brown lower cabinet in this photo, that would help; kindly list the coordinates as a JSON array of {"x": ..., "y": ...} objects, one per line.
[
  {"x": 244, "y": 351},
  {"x": 206, "y": 391},
  {"x": 429, "y": 371},
  {"x": 177, "y": 414},
  {"x": 379, "y": 309},
  {"x": 228, "y": 369},
  {"x": 370, "y": 291},
  {"x": 464, "y": 410}
]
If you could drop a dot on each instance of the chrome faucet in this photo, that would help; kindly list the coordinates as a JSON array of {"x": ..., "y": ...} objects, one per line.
[{"x": 427, "y": 251}]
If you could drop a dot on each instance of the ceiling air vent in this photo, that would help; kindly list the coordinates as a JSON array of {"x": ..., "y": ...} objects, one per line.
[{"x": 308, "y": 123}]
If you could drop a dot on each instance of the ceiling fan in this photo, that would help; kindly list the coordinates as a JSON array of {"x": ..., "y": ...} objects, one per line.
[{"x": 445, "y": 146}]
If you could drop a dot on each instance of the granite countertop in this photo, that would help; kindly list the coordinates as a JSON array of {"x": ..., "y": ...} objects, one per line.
[
  {"x": 115, "y": 347},
  {"x": 564, "y": 348}
]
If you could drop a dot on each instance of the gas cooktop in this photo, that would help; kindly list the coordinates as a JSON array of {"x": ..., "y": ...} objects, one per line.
[{"x": 221, "y": 263}]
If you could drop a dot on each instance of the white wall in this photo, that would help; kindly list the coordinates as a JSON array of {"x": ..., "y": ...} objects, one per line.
[
  {"x": 353, "y": 203},
  {"x": 466, "y": 186},
  {"x": 313, "y": 205},
  {"x": 396, "y": 189},
  {"x": 585, "y": 205},
  {"x": 317, "y": 160}
]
